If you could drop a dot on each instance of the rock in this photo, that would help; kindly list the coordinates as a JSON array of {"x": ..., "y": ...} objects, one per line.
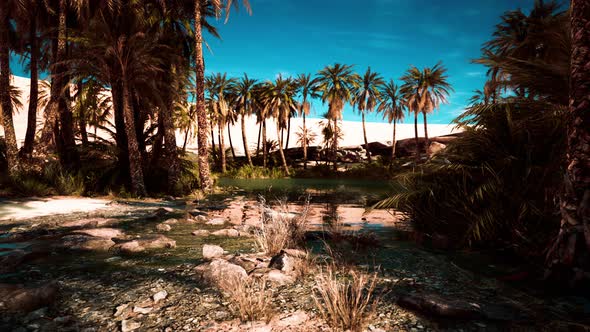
[
  {"x": 212, "y": 251},
  {"x": 435, "y": 147},
  {"x": 436, "y": 305},
  {"x": 91, "y": 222},
  {"x": 216, "y": 222},
  {"x": 142, "y": 310},
  {"x": 171, "y": 221},
  {"x": 26, "y": 298},
  {"x": 259, "y": 272},
  {"x": 197, "y": 213},
  {"x": 247, "y": 264},
  {"x": 220, "y": 271},
  {"x": 147, "y": 242},
  {"x": 11, "y": 259},
  {"x": 295, "y": 319},
  {"x": 129, "y": 325},
  {"x": 160, "y": 212},
  {"x": 120, "y": 309},
  {"x": 279, "y": 277},
  {"x": 227, "y": 232},
  {"x": 164, "y": 227},
  {"x": 201, "y": 232},
  {"x": 198, "y": 219},
  {"x": 283, "y": 262},
  {"x": 85, "y": 242},
  {"x": 159, "y": 296},
  {"x": 37, "y": 314},
  {"x": 62, "y": 319},
  {"x": 103, "y": 233},
  {"x": 296, "y": 253}
]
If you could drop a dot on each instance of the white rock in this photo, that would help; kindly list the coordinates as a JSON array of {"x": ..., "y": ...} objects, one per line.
[
  {"x": 164, "y": 227},
  {"x": 295, "y": 319},
  {"x": 221, "y": 271},
  {"x": 129, "y": 325},
  {"x": 160, "y": 296},
  {"x": 201, "y": 232},
  {"x": 119, "y": 309},
  {"x": 141, "y": 310},
  {"x": 279, "y": 277},
  {"x": 216, "y": 221},
  {"x": 212, "y": 251},
  {"x": 227, "y": 232}
]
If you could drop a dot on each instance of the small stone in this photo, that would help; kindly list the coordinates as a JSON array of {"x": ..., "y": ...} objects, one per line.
[
  {"x": 212, "y": 251},
  {"x": 141, "y": 310},
  {"x": 129, "y": 325},
  {"x": 279, "y": 277},
  {"x": 119, "y": 309},
  {"x": 227, "y": 232},
  {"x": 171, "y": 221},
  {"x": 161, "y": 295},
  {"x": 216, "y": 221},
  {"x": 62, "y": 319},
  {"x": 34, "y": 315},
  {"x": 164, "y": 227},
  {"x": 201, "y": 232}
]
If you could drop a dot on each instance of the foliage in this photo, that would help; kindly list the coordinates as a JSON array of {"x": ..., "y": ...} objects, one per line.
[
  {"x": 251, "y": 298},
  {"x": 255, "y": 172}
]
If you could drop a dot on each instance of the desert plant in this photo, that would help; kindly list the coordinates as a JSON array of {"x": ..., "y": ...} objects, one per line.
[
  {"x": 280, "y": 229},
  {"x": 250, "y": 298},
  {"x": 346, "y": 302}
]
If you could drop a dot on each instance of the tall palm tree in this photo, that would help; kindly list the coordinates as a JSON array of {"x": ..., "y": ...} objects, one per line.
[
  {"x": 336, "y": 85},
  {"x": 366, "y": 97},
  {"x": 425, "y": 91},
  {"x": 571, "y": 247},
  {"x": 279, "y": 99},
  {"x": 244, "y": 90},
  {"x": 6, "y": 9},
  {"x": 306, "y": 87},
  {"x": 262, "y": 113},
  {"x": 392, "y": 106},
  {"x": 201, "y": 8},
  {"x": 219, "y": 86}
]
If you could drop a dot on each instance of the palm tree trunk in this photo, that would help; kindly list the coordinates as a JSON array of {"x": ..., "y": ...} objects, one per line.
[
  {"x": 204, "y": 171},
  {"x": 335, "y": 144},
  {"x": 365, "y": 137},
  {"x": 393, "y": 142},
  {"x": 244, "y": 139},
  {"x": 5, "y": 101},
  {"x": 264, "y": 147},
  {"x": 34, "y": 89},
  {"x": 304, "y": 143},
  {"x": 288, "y": 133},
  {"x": 426, "y": 142},
  {"x": 170, "y": 146},
  {"x": 231, "y": 144},
  {"x": 417, "y": 152},
  {"x": 568, "y": 257},
  {"x": 135, "y": 162},
  {"x": 285, "y": 167},
  {"x": 82, "y": 116},
  {"x": 221, "y": 139},
  {"x": 213, "y": 149},
  {"x": 185, "y": 140},
  {"x": 258, "y": 144}
]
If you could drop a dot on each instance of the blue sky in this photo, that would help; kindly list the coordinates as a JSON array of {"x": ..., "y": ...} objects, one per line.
[{"x": 303, "y": 36}]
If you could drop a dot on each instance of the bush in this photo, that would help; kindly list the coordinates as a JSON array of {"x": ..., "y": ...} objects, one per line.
[
  {"x": 346, "y": 302},
  {"x": 251, "y": 299},
  {"x": 255, "y": 172}
]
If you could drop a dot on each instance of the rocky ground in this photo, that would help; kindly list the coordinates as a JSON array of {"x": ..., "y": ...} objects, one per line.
[{"x": 161, "y": 265}]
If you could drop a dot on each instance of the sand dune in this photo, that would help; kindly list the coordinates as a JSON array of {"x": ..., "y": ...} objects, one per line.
[{"x": 352, "y": 130}]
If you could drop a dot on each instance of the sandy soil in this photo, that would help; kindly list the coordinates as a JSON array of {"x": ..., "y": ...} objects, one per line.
[{"x": 19, "y": 209}]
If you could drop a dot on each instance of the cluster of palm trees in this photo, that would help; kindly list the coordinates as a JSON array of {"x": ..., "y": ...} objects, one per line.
[{"x": 421, "y": 91}]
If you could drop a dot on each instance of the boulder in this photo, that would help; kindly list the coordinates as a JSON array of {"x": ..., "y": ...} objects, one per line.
[
  {"x": 201, "y": 232},
  {"x": 85, "y": 242},
  {"x": 220, "y": 271},
  {"x": 21, "y": 298},
  {"x": 280, "y": 278},
  {"x": 435, "y": 147},
  {"x": 103, "y": 233},
  {"x": 212, "y": 251},
  {"x": 287, "y": 260},
  {"x": 148, "y": 242},
  {"x": 247, "y": 263},
  {"x": 434, "y": 304},
  {"x": 229, "y": 232},
  {"x": 216, "y": 222},
  {"x": 163, "y": 227},
  {"x": 171, "y": 221}
]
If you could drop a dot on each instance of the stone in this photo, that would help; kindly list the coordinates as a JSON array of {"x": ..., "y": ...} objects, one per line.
[
  {"x": 227, "y": 232},
  {"x": 142, "y": 310},
  {"x": 216, "y": 222},
  {"x": 435, "y": 147},
  {"x": 160, "y": 212},
  {"x": 103, "y": 233},
  {"x": 436, "y": 305},
  {"x": 280, "y": 278},
  {"x": 10, "y": 260},
  {"x": 128, "y": 325},
  {"x": 147, "y": 242},
  {"x": 91, "y": 222},
  {"x": 284, "y": 262},
  {"x": 164, "y": 227},
  {"x": 159, "y": 296},
  {"x": 297, "y": 253},
  {"x": 171, "y": 221},
  {"x": 85, "y": 243},
  {"x": 212, "y": 251},
  {"x": 23, "y": 298},
  {"x": 220, "y": 271},
  {"x": 247, "y": 264},
  {"x": 120, "y": 309},
  {"x": 294, "y": 319},
  {"x": 37, "y": 314},
  {"x": 201, "y": 232}
]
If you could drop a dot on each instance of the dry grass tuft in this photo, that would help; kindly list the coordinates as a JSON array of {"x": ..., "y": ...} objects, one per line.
[
  {"x": 346, "y": 302},
  {"x": 251, "y": 299},
  {"x": 280, "y": 228}
]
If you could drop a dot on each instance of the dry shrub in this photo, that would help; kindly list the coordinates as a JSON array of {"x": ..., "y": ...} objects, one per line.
[
  {"x": 304, "y": 266},
  {"x": 280, "y": 228},
  {"x": 250, "y": 298},
  {"x": 346, "y": 302}
]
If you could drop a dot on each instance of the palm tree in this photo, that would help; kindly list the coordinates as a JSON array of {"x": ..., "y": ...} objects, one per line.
[
  {"x": 366, "y": 97},
  {"x": 202, "y": 9},
  {"x": 573, "y": 241},
  {"x": 392, "y": 107},
  {"x": 279, "y": 100},
  {"x": 336, "y": 84},
  {"x": 306, "y": 87},
  {"x": 424, "y": 91},
  {"x": 244, "y": 90},
  {"x": 219, "y": 88}
]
